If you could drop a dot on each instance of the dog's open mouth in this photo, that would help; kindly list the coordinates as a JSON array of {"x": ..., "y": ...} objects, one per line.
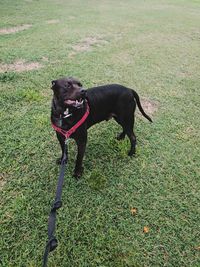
[{"x": 74, "y": 103}]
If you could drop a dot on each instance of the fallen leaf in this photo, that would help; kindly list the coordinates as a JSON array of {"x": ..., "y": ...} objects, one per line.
[
  {"x": 133, "y": 211},
  {"x": 146, "y": 229},
  {"x": 197, "y": 248}
]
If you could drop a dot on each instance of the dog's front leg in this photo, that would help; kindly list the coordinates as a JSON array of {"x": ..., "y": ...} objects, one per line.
[
  {"x": 61, "y": 140},
  {"x": 81, "y": 144}
]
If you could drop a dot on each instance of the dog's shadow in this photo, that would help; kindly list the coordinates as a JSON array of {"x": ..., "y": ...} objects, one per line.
[{"x": 105, "y": 156}]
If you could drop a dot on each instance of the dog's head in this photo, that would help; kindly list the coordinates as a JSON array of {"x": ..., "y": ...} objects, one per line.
[{"x": 68, "y": 92}]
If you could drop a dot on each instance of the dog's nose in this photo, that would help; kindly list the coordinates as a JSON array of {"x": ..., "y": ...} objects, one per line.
[{"x": 83, "y": 92}]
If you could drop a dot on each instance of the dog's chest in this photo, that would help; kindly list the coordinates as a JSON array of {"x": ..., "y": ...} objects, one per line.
[{"x": 65, "y": 119}]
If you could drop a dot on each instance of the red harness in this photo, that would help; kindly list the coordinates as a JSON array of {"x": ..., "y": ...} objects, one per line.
[{"x": 68, "y": 133}]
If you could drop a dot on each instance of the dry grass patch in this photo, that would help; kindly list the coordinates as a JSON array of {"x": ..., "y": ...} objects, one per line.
[
  {"x": 124, "y": 57},
  {"x": 2, "y": 181},
  {"x": 87, "y": 44},
  {"x": 15, "y": 29},
  {"x": 156, "y": 7},
  {"x": 19, "y": 66},
  {"x": 45, "y": 59},
  {"x": 149, "y": 106},
  {"x": 53, "y": 21},
  {"x": 71, "y": 17},
  {"x": 164, "y": 39}
]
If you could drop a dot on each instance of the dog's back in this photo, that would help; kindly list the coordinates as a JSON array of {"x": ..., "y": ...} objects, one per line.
[{"x": 107, "y": 100}]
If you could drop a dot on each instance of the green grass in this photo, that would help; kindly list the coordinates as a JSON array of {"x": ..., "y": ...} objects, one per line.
[{"x": 149, "y": 45}]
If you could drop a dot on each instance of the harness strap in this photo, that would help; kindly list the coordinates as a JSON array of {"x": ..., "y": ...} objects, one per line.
[{"x": 68, "y": 133}]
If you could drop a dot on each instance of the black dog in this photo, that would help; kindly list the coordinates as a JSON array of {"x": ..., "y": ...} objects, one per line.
[{"x": 70, "y": 102}]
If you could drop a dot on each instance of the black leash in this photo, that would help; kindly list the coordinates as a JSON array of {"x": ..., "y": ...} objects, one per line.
[{"x": 52, "y": 242}]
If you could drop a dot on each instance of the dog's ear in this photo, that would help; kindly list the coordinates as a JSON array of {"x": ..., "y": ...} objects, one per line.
[
  {"x": 53, "y": 83},
  {"x": 69, "y": 83}
]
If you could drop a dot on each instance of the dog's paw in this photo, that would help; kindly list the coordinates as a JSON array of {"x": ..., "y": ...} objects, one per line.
[
  {"x": 78, "y": 173},
  {"x": 131, "y": 153}
]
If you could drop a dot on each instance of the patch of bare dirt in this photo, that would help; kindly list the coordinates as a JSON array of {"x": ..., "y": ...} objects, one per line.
[
  {"x": 15, "y": 29},
  {"x": 87, "y": 44},
  {"x": 19, "y": 66},
  {"x": 158, "y": 7},
  {"x": 53, "y": 21},
  {"x": 155, "y": 39},
  {"x": 161, "y": 7},
  {"x": 45, "y": 59},
  {"x": 2, "y": 181},
  {"x": 149, "y": 106}
]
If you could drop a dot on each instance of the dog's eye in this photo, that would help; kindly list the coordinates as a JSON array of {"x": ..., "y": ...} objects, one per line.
[
  {"x": 80, "y": 84},
  {"x": 67, "y": 86}
]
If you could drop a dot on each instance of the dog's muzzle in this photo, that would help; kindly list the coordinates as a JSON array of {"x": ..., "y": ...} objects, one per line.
[{"x": 78, "y": 103}]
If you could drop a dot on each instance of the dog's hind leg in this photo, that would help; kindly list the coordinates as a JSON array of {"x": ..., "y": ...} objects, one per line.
[
  {"x": 132, "y": 139},
  {"x": 121, "y": 135},
  {"x": 127, "y": 123},
  {"x": 128, "y": 130},
  {"x": 126, "y": 118}
]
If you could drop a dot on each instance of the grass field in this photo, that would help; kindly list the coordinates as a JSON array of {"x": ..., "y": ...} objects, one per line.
[{"x": 152, "y": 46}]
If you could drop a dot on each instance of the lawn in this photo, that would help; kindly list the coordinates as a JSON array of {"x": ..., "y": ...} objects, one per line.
[{"x": 140, "y": 211}]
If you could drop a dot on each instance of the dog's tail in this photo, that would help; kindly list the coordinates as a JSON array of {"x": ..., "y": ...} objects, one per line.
[{"x": 136, "y": 96}]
